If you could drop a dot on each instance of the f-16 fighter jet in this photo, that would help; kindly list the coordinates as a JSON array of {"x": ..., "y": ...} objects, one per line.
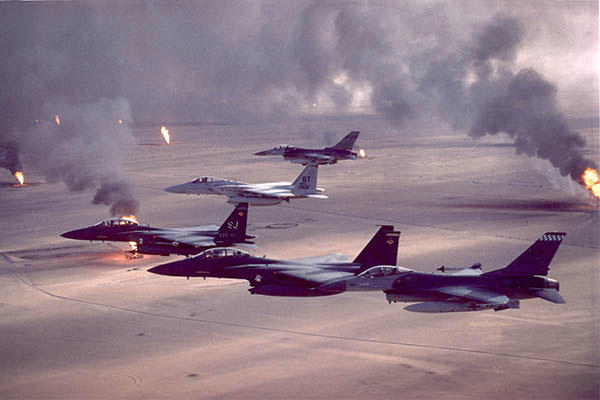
[
  {"x": 470, "y": 289},
  {"x": 328, "y": 155},
  {"x": 304, "y": 277},
  {"x": 167, "y": 241},
  {"x": 256, "y": 194}
]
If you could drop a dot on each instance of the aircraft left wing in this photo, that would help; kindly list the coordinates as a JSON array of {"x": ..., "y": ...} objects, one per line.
[
  {"x": 311, "y": 276},
  {"x": 185, "y": 238},
  {"x": 324, "y": 259},
  {"x": 266, "y": 192},
  {"x": 475, "y": 294},
  {"x": 314, "y": 157}
]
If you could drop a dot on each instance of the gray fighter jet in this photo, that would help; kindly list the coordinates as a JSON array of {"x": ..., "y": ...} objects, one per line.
[
  {"x": 468, "y": 289},
  {"x": 328, "y": 155},
  {"x": 256, "y": 194},
  {"x": 167, "y": 241},
  {"x": 303, "y": 277}
]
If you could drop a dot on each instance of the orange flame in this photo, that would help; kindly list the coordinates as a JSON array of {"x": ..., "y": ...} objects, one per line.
[
  {"x": 57, "y": 119},
  {"x": 20, "y": 177},
  {"x": 120, "y": 122},
  {"x": 133, "y": 246},
  {"x": 362, "y": 153},
  {"x": 591, "y": 179},
  {"x": 165, "y": 133},
  {"x": 130, "y": 217}
]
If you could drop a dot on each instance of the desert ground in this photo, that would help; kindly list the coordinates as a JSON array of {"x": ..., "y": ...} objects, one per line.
[{"x": 80, "y": 320}]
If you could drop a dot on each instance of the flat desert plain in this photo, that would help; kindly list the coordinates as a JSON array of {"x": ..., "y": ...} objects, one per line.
[{"x": 80, "y": 320}]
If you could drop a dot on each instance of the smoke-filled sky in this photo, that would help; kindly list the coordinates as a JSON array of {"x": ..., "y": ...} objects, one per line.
[{"x": 482, "y": 67}]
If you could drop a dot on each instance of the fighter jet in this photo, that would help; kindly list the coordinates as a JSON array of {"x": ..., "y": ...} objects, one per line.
[
  {"x": 302, "y": 277},
  {"x": 328, "y": 155},
  {"x": 167, "y": 241},
  {"x": 256, "y": 194},
  {"x": 470, "y": 289}
]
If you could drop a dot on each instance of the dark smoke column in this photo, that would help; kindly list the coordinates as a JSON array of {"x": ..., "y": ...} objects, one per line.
[
  {"x": 526, "y": 110},
  {"x": 9, "y": 155},
  {"x": 85, "y": 149}
]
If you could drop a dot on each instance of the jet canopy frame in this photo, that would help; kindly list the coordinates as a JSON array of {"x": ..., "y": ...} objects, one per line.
[
  {"x": 383, "y": 270},
  {"x": 221, "y": 252},
  {"x": 111, "y": 222}
]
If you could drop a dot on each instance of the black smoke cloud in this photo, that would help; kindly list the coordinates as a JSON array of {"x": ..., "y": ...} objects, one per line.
[{"x": 248, "y": 61}]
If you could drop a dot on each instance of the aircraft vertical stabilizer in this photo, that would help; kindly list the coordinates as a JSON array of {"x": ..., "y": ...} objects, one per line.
[
  {"x": 234, "y": 227},
  {"x": 347, "y": 142},
  {"x": 382, "y": 249},
  {"x": 306, "y": 182},
  {"x": 536, "y": 259}
]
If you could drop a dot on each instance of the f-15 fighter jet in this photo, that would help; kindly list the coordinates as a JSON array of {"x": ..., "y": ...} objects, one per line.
[
  {"x": 167, "y": 241},
  {"x": 470, "y": 289},
  {"x": 302, "y": 277},
  {"x": 328, "y": 155},
  {"x": 256, "y": 194}
]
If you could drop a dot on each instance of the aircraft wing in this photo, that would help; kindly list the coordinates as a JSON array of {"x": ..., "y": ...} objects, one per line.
[
  {"x": 324, "y": 259},
  {"x": 265, "y": 192},
  {"x": 315, "y": 157},
  {"x": 468, "y": 272},
  {"x": 475, "y": 294},
  {"x": 186, "y": 238},
  {"x": 311, "y": 276}
]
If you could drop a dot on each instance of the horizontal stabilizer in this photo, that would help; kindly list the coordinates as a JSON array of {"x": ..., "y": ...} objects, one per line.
[{"x": 551, "y": 295}]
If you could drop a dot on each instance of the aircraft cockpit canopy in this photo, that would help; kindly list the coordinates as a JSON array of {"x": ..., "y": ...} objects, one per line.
[
  {"x": 110, "y": 222},
  {"x": 383, "y": 270},
  {"x": 204, "y": 179},
  {"x": 221, "y": 252}
]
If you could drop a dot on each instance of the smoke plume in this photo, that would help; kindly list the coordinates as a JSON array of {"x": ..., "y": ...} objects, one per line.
[
  {"x": 10, "y": 155},
  {"x": 417, "y": 60}
]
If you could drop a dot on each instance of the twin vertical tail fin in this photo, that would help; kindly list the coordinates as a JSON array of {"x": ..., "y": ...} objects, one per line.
[
  {"x": 306, "y": 182},
  {"x": 381, "y": 250},
  {"x": 347, "y": 143},
  {"x": 536, "y": 259},
  {"x": 233, "y": 229}
]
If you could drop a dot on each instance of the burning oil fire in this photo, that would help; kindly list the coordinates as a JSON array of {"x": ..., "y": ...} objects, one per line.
[
  {"x": 57, "y": 119},
  {"x": 130, "y": 218},
  {"x": 120, "y": 122},
  {"x": 591, "y": 179},
  {"x": 20, "y": 177},
  {"x": 133, "y": 246},
  {"x": 362, "y": 153},
  {"x": 165, "y": 133}
]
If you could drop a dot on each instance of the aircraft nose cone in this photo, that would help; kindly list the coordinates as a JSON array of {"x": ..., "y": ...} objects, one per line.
[
  {"x": 176, "y": 268},
  {"x": 262, "y": 153},
  {"x": 174, "y": 189},
  {"x": 159, "y": 270},
  {"x": 71, "y": 234}
]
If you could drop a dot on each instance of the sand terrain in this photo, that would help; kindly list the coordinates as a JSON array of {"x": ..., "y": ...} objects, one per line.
[{"x": 79, "y": 320}]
